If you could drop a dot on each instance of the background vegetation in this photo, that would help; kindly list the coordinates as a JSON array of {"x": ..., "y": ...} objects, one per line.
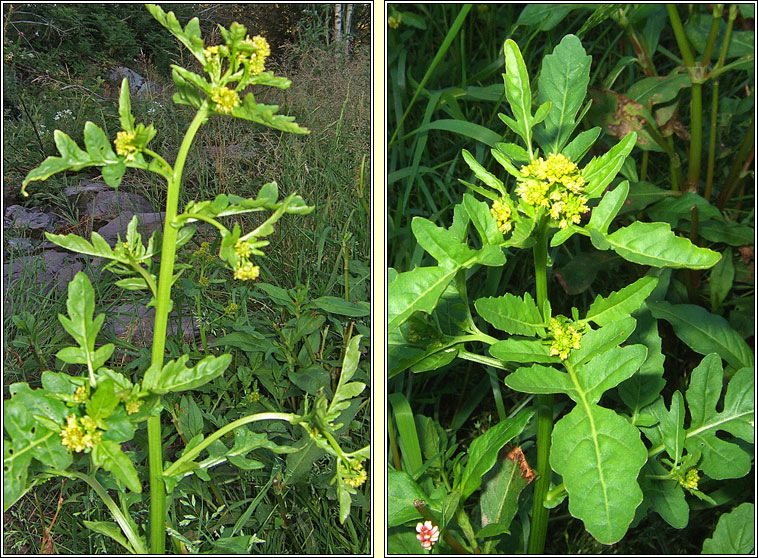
[{"x": 57, "y": 60}]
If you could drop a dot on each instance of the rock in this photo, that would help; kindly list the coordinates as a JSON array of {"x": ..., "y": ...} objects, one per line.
[
  {"x": 51, "y": 268},
  {"x": 32, "y": 218},
  {"x": 19, "y": 244},
  {"x": 146, "y": 224},
  {"x": 134, "y": 324},
  {"x": 110, "y": 204},
  {"x": 138, "y": 85},
  {"x": 86, "y": 188}
]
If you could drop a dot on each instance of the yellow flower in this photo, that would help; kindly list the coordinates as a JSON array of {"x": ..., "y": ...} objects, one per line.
[
  {"x": 225, "y": 99},
  {"x": 133, "y": 406},
  {"x": 501, "y": 211},
  {"x": 231, "y": 309},
  {"x": 359, "y": 477},
  {"x": 80, "y": 395},
  {"x": 257, "y": 59},
  {"x": 565, "y": 337},
  {"x": 247, "y": 271},
  {"x": 242, "y": 249},
  {"x": 394, "y": 21},
  {"x": 80, "y": 434},
  {"x": 124, "y": 145},
  {"x": 690, "y": 480}
]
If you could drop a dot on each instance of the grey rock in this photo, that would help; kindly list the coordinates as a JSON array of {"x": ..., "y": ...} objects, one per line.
[
  {"x": 32, "y": 218},
  {"x": 146, "y": 224},
  {"x": 134, "y": 324},
  {"x": 110, "y": 204},
  {"x": 50, "y": 269},
  {"x": 138, "y": 85},
  {"x": 86, "y": 188},
  {"x": 20, "y": 244}
]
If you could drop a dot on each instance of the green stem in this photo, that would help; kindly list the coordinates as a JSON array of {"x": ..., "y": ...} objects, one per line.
[
  {"x": 168, "y": 255},
  {"x": 127, "y": 527},
  {"x": 696, "y": 105},
  {"x": 195, "y": 451},
  {"x": 544, "y": 408},
  {"x": 733, "y": 178}
]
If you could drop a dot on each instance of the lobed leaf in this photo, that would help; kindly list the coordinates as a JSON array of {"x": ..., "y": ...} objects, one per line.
[
  {"x": 417, "y": 290},
  {"x": 621, "y": 304},
  {"x": 512, "y": 314}
]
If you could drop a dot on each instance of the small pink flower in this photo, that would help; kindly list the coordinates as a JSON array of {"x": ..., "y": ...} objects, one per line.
[{"x": 428, "y": 534}]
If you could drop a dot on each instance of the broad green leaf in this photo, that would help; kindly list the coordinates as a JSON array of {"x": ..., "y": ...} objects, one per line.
[
  {"x": 97, "y": 144},
  {"x": 15, "y": 469},
  {"x": 415, "y": 290},
  {"x": 103, "y": 402},
  {"x": 402, "y": 490},
  {"x": 483, "y": 451},
  {"x": 704, "y": 332},
  {"x": 721, "y": 459},
  {"x": 729, "y": 232},
  {"x": 512, "y": 314},
  {"x": 518, "y": 91},
  {"x": 669, "y": 429},
  {"x": 581, "y": 144},
  {"x": 522, "y": 350},
  {"x": 621, "y": 304},
  {"x": 643, "y": 388},
  {"x": 113, "y": 173},
  {"x": 656, "y": 245},
  {"x": 464, "y": 128},
  {"x": 501, "y": 487},
  {"x": 657, "y": 90},
  {"x": 599, "y": 456},
  {"x": 672, "y": 210},
  {"x": 342, "y": 307},
  {"x": 540, "y": 379},
  {"x": 608, "y": 208},
  {"x": 441, "y": 243},
  {"x": 407, "y": 433},
  {"x": 482, "y": 219},
  {"x": 601, "y": 170},
  {"x": 600, "y": 340},
  {"x": 734, "y": 533},
  {"x": 175, "y": 376},
  {"x": 99, "y": 246},
  {"x": 563, "y": 82},
  {"x": 108, "y": 455},
  {"x": 664, "y": 496}
]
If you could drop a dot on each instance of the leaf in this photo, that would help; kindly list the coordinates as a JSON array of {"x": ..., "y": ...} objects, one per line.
[
  {"x": 483, "y": 174},
  {"x": 346, "y": 389},
  {"x": 501, "y": 487},
  {"x": 402, "y": 491},
  {"x": 621, "y": 304},
  {"x": 600, "y": 340},
  {"x": 720, "y": 459},
  {"x": 599, "y": 456},
  {"x": 265, "y": 114},
  {"x": 125, "y": 107},
  {"x": 97, "y": 144},
  {"x": 599, "y": 172},
  {"x": 658, "y": 89},
  {"x": 643, "y": 388},
  {"x": 581, "y": 144},
  {"x": 656, "y": 245},
  {"x": 734, "y": 533},
  {"x": 482, "y": 219},
  {"x": 108, "y": 455},
  {"x": 563, "y": 82},
  {"x": 342, "y": 307},
  {"x": 664, "y": 496},
  {"x": 608, "y": 208},
  {"x": 189, "y": 36},
  {"x": 522, "y": 350},
  {"x": 672, "y": 210},
  {"x": 669, "y": 429},
  {"x": 483, "y": 451},
  {"x": 415, "y": 291},
  {"x": 704, "y": 332},
  {"x": 518, "y": 91},
  {"x": 103, "y": 402},
  {"x": 109, "y": 529},
  {"x": 512, "y": 314},
  {"x": 175, "y": 376},
  {"x": 721, "y": 279},
  {"x": 441, "y": 243},
  {"x": 99, "y": 246}
]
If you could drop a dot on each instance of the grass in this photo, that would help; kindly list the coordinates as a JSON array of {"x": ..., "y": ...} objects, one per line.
[{"x": 311, "y": 252}]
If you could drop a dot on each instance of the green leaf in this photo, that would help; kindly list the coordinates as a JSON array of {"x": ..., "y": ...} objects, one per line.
[
  {"x": 342, "y": 307},
  {"x": 463, "y": 128},
  {"x": 402, "y": 491},
  {"x": 125, "y": 107},
  {"x": 483, "y": 174},
  {"x": 482, "y": 219},
  {"x": 265, "y": 114},
  {"x": 608, "y": 208},
  {"x": 109, "y": 529},
  {"x": 721, "y": 279},
  {"x": 97, "y": 144},
  {"x": 175, "y": 376},
  {"x": 734, "y": 533},
  {"x": 108, "y": 455},
  {"x": 621, "y": 304},
  {"x": 643, "y": 388},
  {"x": 113, "y": 173},
  {"x": 103, "y": 402},
  {"x": 512, "y": 314},
  {"x": 416, "y": 290},
  {"x": 721, "y": 459},
  {"x": 704, "y": 332},
  {"x": 15, "y": 469},
  {"x": 599, "y": 172},
  {"x": 581, "y": 144},
  {"x": 658, "y": 89},
  {"x": 563, "y": 82},
  {"x": 346, "y": 389},
  {"x": 656, "y": 245},
  {"x": 599, "y": 456},
  {"x": 98, "y": 248},
  {"x": 669, "y": 428},
  {"x": 484, "y": 450},
  {"x": 501, "y": 487},
  {"x": 600, "y": 340},
  {"x": 518, "y": 91},
  {"x": 664, "y": 496},
  {"x": 190, "y": 36},
  {"x": 441, "y": 243},
  {"x": 522, "y": 350}
]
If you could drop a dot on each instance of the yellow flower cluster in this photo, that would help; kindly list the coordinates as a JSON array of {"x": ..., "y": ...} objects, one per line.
[
  {"x": 565, "y": 337},
  {"x": 80, "y": 395},
  {"x": 394, "y": 21},
  {"x": 212, "y": 55},
  {"x": 501, "y": 211},
  {"x": 258, "y": 58},
  {"x": 124, "y": 145},
  {"x": 226, "y": 99},
  {"x": 231, "y": 309},
  {"x": 80, "y": 434},
  {"x": 690, "y": 480},
  {"x": 245, "y": 270},
  {"x": 133, "y": 406},
  {"x": 360, "y": 475},
  {"x": 556, "y": 184}
]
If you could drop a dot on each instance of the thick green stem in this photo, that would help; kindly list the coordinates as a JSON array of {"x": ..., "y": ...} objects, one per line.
[
  {"x": 696, "y": 105},
  {"x": 168, "y": 255},
  {"x": 544, "y": 408}
]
